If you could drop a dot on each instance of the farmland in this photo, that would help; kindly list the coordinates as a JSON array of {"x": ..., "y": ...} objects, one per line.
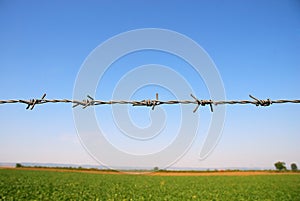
[{"x": 19, "y": 184}]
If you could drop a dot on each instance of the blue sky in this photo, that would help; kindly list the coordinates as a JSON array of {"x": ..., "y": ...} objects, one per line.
[{"x": 254, "y": 44}]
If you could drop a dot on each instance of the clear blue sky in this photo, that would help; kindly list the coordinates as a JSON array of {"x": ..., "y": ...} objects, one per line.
[{"x": 254, "y": 44}]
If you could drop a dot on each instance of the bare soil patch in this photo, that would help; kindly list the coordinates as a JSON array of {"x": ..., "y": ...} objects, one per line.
[{"x": 163, "y": 173}]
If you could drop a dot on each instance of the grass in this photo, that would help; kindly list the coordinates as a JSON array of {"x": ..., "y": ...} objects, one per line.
[{"x": 18, "y": 184}]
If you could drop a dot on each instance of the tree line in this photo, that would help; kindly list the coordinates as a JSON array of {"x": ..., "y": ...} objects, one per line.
[{"x": 281, "y": 166}]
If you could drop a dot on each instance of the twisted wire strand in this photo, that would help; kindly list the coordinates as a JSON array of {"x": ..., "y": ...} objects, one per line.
[{"x": 148, "y": 103}]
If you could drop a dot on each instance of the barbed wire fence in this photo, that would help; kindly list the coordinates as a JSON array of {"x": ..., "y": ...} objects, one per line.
[{"x": 31, "y": 103}]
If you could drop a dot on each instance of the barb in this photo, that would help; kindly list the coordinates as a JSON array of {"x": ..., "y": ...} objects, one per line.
[{"x": 148, "y": 103}]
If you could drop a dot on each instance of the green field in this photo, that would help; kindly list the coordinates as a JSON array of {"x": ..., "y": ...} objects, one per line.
[{"x": 48, "y": 185}]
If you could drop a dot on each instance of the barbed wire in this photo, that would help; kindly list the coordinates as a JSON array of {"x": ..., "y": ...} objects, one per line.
[{"x": 148, "y": 103}]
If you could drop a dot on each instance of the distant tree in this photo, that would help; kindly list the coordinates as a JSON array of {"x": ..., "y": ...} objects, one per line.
[
  {"x": 18, "y": 165},
  {"x": 294, "y": 167},
  {"x": 155, "y": 168},
  {"x": 280, "y": 165}
]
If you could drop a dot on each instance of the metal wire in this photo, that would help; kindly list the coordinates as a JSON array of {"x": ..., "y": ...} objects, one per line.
[{"x": 148, "y": 103}]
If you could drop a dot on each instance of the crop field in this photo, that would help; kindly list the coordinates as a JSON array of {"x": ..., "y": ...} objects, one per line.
[{"x": 18, "y": 184}]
